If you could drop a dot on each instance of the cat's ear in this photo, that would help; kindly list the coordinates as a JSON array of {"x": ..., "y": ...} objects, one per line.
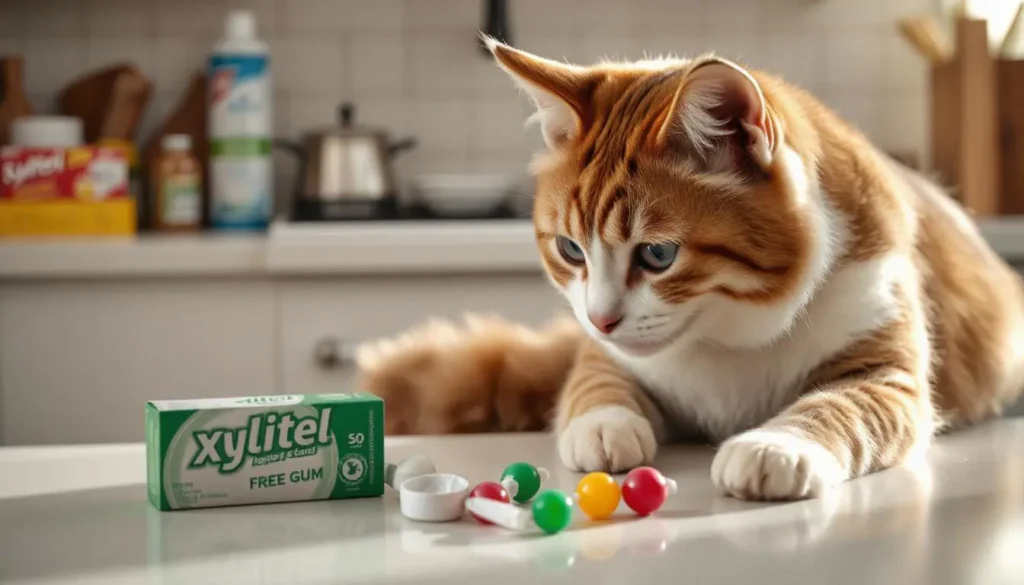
[
  {"x": 561, "y": 92},
  {"x": 721, "y": 114}
]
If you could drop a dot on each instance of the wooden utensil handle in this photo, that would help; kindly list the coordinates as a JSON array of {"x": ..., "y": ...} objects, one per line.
[{"x": 11, "y": 78}]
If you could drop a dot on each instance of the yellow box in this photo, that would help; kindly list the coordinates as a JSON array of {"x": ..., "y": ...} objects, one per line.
[{"x": 68, "y": 218}]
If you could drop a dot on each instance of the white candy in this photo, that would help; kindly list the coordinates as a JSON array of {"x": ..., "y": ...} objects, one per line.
[{"x": 395, "y": 474}]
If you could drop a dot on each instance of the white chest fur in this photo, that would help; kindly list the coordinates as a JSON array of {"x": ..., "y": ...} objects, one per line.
[{"x": 724, "y": 391}]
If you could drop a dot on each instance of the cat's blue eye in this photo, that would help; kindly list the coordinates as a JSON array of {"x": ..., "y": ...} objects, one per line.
[
  {"x": 570, "y": 251},
  {"x": 656, "y": 257}
]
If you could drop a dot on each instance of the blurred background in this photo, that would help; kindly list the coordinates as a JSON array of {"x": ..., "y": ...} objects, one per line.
[{"x": 385, "y": 160}]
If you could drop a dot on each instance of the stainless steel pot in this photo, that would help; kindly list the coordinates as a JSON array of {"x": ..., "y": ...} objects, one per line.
[{"x": 345, "y": 163}]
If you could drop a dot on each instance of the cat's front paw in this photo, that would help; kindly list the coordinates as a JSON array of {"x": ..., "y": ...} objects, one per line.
[
  {"x": 612, "y": 438},
  {"x": 775, "y": 465}
]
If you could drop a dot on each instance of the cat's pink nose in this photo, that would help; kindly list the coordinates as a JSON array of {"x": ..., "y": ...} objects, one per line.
[{"x": 605, "y": 323}]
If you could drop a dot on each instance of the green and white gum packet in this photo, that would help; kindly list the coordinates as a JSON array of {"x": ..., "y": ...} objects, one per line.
[{"x": 264, "y": 449}]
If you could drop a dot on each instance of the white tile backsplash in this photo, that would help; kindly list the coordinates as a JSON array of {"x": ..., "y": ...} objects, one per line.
[
  {"x": 668, "y": 18},
  {"x": 858, "y": 108},
  {"x": 176, "y": 59},
  {"x": 852, "y": 59},
  {"x": 311, "y": 64},
  {"x": 744, "y": 48},
  {"x": 508, "y": 163},
  {"x": 377, "y": 64},
  {"x": 389, "y": 114},
  {"x": 190, "y": 18},
  {"x": 129, "y": 18},
  {"x": 104, "y": 51},
  {"x": 442, "y": 126},
  {"x": 413, "y": 66},
  {"x": 421, "y": 162},
  {"x": 12, "y": 21},
  {"x": 51, "y": 63},
  {"x": 53, "y": 17},
  {"x": 606, "y": 16},
  {"x": 735, "y": 17},
  {"x": 902, "y": 122},
  {"x": 570, "y": 49},
  {"x": 438, "y": 64},
  {"x": 689, "y": 45},
  {"x": 368, "y": 15},
  {"x": 795, "y": 58},
  {"x": 877, "y": 14},
  {"x": 560, "y": 18},
  {"x": 310, "y": 112},
  {"x": 866, "y": 59},
  {"x": 599, "y": 46},
  {"x": 11, "y": 45},
  {"x": 499, "y": 125},
  {"x": 302, "y": 16},
  {"x": 786, "y": 17},
  {"x": 462, "y": 15}
]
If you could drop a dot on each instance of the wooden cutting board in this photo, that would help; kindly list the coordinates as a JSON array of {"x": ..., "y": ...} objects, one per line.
[
  {"x": 109, "y": 101},
  {"x": 1011, "y": 117},
  {"x": 13, "y": 102},
  {"x": 965, "y": 149}
]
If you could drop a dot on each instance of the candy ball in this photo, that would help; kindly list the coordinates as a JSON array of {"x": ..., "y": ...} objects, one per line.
[
  {"x": 552, "y": 511},
  {"x": 492, "y": 491},
  {"x": 598, "y": 495},
  {"x": 527, "y": 479},
  {"x": 645, "y": 489}
]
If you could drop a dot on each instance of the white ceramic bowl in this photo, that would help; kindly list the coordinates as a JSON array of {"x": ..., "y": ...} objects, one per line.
[
  {"x": 462, "y": 195},
  {"x": 435, "y": 497}
]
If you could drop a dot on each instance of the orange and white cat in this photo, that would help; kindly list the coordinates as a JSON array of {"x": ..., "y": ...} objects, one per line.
[{"x": 744, "y": 266}]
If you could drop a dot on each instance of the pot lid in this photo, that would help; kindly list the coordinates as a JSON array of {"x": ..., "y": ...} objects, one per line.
[{"x": 347, "y": 128}]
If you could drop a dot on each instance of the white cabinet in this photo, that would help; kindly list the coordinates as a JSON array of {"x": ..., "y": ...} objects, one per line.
[
  {"x": 316, "y": 314},
  {"x": 78, "y": 360}
]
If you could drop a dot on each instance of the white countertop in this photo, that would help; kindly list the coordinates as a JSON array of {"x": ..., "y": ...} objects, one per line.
[
  {"x": 319, "y": 249},
  {"x": 80, "y": 515}
]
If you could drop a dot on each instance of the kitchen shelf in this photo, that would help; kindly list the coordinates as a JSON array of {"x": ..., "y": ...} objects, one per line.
[
  {"x": 403, "y": 247},
  {"x": 287, "y": 249},
  {"x": 380, "y": 247},
  {"x": 145, "y": 256}
]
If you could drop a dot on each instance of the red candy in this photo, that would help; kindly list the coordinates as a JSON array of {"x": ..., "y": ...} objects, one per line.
[
  {"x": 492, "y": 491},
  {"x": 644, "y": 490}
]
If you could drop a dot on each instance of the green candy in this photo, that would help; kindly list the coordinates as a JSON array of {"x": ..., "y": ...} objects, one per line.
[
  {"x": 552, "y": 511},
  {"x": 527, "y": 480}
]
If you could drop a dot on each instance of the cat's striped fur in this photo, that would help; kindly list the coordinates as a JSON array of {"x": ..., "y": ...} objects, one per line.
[{"x": 826, "y": 313}]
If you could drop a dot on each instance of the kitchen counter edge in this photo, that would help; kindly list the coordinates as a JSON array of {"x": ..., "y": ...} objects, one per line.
[
  {"x": 425, "y": 247},
  {"x": 284, "y": 250}
]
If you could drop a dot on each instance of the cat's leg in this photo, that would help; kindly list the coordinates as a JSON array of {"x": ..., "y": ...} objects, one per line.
[
  {"x": 604, "y": 421},
  {"x": 863, "y": 411}
]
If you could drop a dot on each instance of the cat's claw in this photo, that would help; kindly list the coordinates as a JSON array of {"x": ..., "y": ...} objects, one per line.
[
  {"x": 612, "y": 438},
  {"x": 767, "y": 464}
]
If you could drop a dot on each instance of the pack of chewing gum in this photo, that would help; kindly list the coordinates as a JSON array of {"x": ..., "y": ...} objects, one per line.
[{"x": 264, "y": 449}]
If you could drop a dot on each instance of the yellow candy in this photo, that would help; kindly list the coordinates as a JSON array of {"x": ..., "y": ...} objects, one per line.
[{"x": 598, "y": 495}]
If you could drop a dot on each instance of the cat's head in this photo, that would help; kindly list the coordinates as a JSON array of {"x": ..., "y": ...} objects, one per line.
[{"x": 676, "y": 200}]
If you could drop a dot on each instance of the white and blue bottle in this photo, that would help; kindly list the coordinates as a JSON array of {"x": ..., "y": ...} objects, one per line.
[{"x": 240, "y": 119}]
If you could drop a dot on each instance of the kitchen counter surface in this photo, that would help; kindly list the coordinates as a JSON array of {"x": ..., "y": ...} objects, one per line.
[
  {"x": 287, "y": 249},
  {"x": 425, "y": 247},
  {"x": 80, "y": 515}
]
